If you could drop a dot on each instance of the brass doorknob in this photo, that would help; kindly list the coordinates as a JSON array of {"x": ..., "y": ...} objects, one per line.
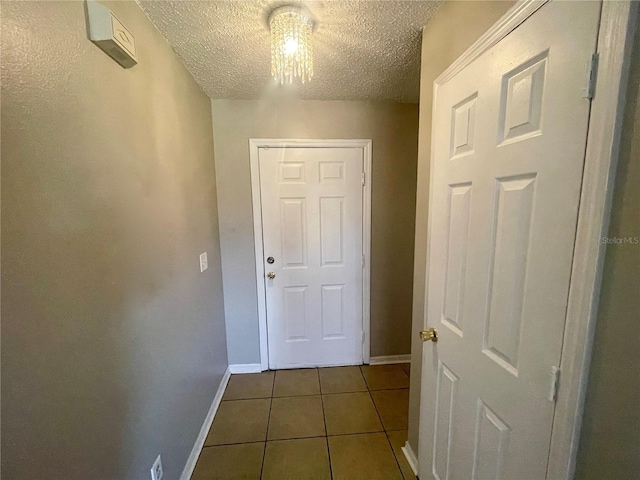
[
  {"x": 431, "y": 334},
  {"x": 271, "y": 275}
]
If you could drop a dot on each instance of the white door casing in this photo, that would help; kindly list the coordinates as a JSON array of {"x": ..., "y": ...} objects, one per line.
[
  {"x": 508, "y": 150},
  {"x": 312, "y": 211}
]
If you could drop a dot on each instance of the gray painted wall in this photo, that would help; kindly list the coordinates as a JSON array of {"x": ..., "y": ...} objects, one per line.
[
  {"x": 113, "y": 343},
  {"x": 610, "y": 438},
  {"x": 393, "y": 128}
]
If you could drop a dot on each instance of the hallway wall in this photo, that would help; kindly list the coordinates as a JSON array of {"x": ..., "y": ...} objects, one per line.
[
  {"x": 113, "y": 342},
  {"x": 393, "y": 128},
  {"x": 610, "y": 443}
]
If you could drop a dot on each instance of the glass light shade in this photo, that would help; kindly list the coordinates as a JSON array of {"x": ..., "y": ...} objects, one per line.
[{"x": 291, "y": 49}]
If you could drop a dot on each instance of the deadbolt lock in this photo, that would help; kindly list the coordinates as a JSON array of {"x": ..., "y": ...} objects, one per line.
[{"x": 431, "y": 334}]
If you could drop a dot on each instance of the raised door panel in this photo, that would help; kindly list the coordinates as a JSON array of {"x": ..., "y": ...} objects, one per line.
[
  {"x": 445, "y": 417},
  {"x": 332, "y": 231},
  {"x": 463, "y": 127},
  {"x": 293, "y": 224},
  {"x": 332, "y": 315},
  {"x": 331, "y": 172},
  {"x": 291, "y": 173},
  {"x": 459, "y": 204},
  {"x": 491, "y": 447},
  {"x": 512, "y": 232},
  {"x": 295, "y": 313},
  {"x": 521, "y": 102}
]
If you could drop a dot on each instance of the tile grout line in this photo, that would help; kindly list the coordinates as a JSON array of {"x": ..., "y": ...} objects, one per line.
[
  {"x": 386, "y": 435},
  {"x": 326, "y": 432},
  {"x": 364, "y": 377},
  {"x": 302, "y": 438},
  {"x": 303, "y": 395},
  {"x": 393, "y": 451},
  {"x": 266, "y": 434},
  {"x": 389, "y": 389}
]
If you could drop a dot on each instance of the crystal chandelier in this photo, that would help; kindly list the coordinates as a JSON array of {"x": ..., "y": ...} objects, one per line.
[{"x": 291, "y": 50}]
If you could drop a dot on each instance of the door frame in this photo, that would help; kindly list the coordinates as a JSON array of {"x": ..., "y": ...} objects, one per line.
[
  {"x": 615, "y": 36},
  {"x": 254, "y": 149}
]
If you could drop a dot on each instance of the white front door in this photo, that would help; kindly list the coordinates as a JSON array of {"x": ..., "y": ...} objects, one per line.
[
  {"x": 509, "y": 143},
  {"x": 312, "y": 220}
]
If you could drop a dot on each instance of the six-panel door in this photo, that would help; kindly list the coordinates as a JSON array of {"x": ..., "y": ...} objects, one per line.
[
  {"x": 510, "y": 135},
  {"x": 312, "y": 227}
]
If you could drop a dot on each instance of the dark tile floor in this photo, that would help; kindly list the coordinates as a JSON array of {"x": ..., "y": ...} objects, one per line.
[{"x": 342, "y": 423}]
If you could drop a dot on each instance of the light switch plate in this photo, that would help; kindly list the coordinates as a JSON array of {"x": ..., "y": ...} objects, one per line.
[{"x": 204, "y": 264}]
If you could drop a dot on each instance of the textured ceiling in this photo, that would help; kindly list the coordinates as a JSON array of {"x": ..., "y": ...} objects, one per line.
[{"x": 363, "y": 50}]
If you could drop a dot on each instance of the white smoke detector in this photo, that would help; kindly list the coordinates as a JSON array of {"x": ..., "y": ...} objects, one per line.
[{"x": 108, "y": 33}]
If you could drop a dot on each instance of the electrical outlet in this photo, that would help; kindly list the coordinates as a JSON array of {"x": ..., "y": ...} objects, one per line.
[
  {"x": 204, "y": 264},
  {"x": 156, "y": 470}
]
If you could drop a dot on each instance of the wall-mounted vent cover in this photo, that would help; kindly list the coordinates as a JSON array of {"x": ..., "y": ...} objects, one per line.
[{"x": 108, "y": 33}]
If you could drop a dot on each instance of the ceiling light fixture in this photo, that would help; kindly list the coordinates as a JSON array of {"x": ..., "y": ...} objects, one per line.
[{"x": 291, "y": 49}]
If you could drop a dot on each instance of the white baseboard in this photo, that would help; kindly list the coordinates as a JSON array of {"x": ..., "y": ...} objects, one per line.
[
  {"x": 411, "y": 458},
  {"x": 245, "y": 368},
  {"x": 204, "y": 430},
  {"x": 389, "y": 359}
]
